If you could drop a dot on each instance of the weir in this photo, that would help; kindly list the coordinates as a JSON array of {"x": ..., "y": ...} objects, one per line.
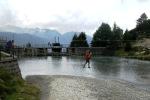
[{"x": 64, "y": 51}]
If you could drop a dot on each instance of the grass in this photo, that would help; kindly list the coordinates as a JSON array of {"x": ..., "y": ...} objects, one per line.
[
  {"x": 134, "y": 53},
  {"x": 13, "y": 87},
  {"x": 121, "y": 52},
  {"x": 3, "y": 56}
]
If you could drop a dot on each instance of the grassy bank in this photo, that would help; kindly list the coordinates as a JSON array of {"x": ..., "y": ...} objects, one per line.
[
  {"x": 15, "y": 88},
  {"x": 136, "y": 53}
]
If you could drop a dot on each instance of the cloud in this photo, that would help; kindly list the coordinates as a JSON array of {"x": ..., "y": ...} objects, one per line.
[
  {"x": 7, "y": 16},
  {"x": 72, "y": 15},
  {"x": 73, "y": 21},
  {"x": 142, "y": 0}
]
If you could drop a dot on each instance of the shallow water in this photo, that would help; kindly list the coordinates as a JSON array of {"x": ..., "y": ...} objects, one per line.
[{"x": 135, "y": 71}]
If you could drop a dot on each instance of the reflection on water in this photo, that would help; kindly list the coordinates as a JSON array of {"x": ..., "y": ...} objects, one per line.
[{"x": 135, "y": 71}]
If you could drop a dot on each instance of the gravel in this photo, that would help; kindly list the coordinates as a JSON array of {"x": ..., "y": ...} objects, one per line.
[{"x": 63, "y": 87}]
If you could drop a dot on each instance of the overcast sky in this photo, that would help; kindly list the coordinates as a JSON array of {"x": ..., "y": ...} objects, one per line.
[{"x": 72, "y": 15}]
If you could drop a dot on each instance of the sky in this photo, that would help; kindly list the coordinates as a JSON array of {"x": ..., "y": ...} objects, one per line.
[{"x": 72, "y": 15}]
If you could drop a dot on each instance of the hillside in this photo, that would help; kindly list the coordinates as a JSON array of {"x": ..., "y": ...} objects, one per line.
[{"x": 144, "y": 42}]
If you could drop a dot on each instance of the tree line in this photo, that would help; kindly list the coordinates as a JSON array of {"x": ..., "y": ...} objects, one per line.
[{"x": 114, "y": 37}]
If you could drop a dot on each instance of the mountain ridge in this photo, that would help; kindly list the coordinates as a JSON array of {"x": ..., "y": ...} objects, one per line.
[{"x": 23, "y": 36}]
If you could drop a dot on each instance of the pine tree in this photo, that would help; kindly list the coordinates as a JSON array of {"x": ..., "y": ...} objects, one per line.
[
  {"x": 102, "y": 36},
  {"x": 74, "y": 40},
  {"x": 79, "y": 41},
  {"x": 142, "y": 18}
]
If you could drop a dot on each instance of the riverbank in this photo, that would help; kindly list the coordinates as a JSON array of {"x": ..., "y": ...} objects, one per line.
[
  {"x": 13, "y": 87},
  {"x": 136, "y": 53},
  {"x": 60, "y": 87}
]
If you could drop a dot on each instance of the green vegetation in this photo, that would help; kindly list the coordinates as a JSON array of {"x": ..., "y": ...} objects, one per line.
[
  {"x": 13, "y": 87},
  {"x": 102, "y": 36},
  {"x": 136, "y": 41},
  {"x": 121, "y": 52},
  {"x": 125, "y": 44},
  {"x": 4, "y": 55},
  {"x": 105, "y": 37},
  {"x": 136, "y": 52},
  {"x": 79, "y": 41}
]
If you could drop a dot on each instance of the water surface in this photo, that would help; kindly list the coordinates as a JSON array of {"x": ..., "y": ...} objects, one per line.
[{"x": 135, "y": 71}]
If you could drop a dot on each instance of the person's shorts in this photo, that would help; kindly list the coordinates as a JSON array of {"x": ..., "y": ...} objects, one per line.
[{"x": 87, "y": 60}]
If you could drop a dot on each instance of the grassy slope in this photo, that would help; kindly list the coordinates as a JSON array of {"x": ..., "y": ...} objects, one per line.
[
  {"x": 15, "y": 88},
  {"x": 138, "y": 52}
]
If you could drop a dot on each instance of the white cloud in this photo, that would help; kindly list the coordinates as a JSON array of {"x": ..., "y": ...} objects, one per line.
[
  {"x": 7, "y": 16},
  {"x": 72, "y": 15}
]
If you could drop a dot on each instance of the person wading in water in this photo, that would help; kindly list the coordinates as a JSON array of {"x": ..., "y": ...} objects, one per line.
[{"x": 87, "y": 57}]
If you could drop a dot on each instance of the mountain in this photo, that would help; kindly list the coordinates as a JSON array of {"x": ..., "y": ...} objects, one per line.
[
  {"x": 67, "y": 37},
  {"x": 22, "y": 39},
  {"x": 47, "y": 34},
  {"x": 36, "y": 35}
]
